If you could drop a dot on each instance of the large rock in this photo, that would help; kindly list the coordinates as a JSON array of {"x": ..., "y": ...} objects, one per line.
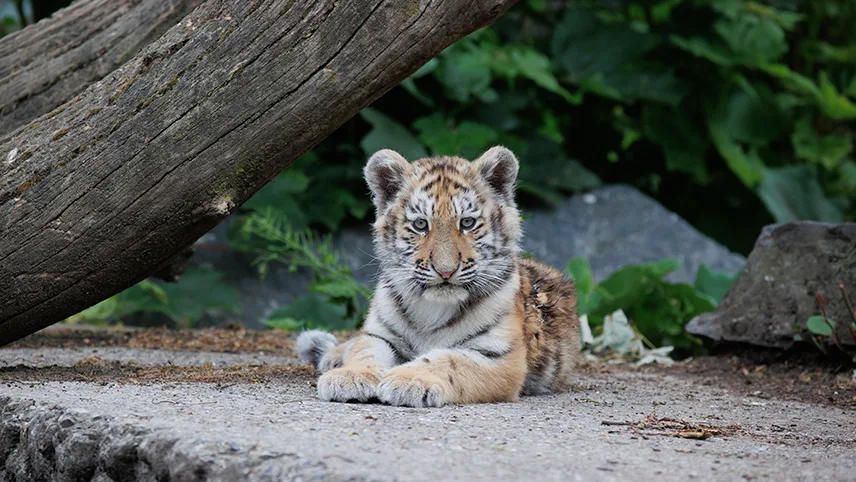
[
  {"x": 790, "y": 264},
  {"x": 610, "y": 227},
  {"x": 615, "y": 226}
]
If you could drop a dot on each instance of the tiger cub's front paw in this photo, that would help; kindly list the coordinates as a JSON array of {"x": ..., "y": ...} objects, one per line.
[
  {"x": 348, "y": 384},
  {"x": 413, "y": 387}
]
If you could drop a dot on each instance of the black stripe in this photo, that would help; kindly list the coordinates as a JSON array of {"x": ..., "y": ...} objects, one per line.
[
  {"x": 428, "y": 185},
  {"x": 399, "y": 358},
  {"x": 400, "y": 308},
  {"x": 483, "y": 331},
  {"x": 398, "y": 335},
  {"x": 442, "y": 165},
  {"x": 495, "y": 222},
  {"x": 490, "y": 353},
  {"x": 456, "y": 185},
  {"x": 469, "y": 304}
]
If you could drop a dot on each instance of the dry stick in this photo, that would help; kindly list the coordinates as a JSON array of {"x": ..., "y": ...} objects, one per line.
[
  {"x": 821, "y": 303},
  {"x": 850, "y": 310}
]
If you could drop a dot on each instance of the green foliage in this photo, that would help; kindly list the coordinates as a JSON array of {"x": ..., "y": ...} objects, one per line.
[
  {"x": 657, "y": 308},
  {"x": 819, "y": 326},
  {"x": 311, "y": 311},
  {"x": 183, "y": 302},
  {"x": 337, "y": 299},
  {"x": 713, "y": 283},
  {"x": 580, "y": 271},
  {"x": 704, "y": 97}
]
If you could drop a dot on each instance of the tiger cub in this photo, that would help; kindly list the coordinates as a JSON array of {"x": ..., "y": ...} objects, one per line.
[{"x": 457, "y": 315}]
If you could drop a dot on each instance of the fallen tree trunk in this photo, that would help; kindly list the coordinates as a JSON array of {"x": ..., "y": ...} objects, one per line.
[
  {"x": 45, "y": 65},
  {"x": 99, "y": 193}
]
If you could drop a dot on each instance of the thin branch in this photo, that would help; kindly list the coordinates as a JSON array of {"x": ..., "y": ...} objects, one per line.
[{"x": 849, "y": 310}]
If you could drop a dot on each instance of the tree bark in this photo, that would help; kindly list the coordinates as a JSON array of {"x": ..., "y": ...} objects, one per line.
[
  {"x": 45, "y": 65},
  {"x": 103, "y": 190}
]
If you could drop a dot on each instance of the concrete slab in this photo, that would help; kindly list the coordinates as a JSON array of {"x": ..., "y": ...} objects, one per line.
[
  {"x": 68, "y": 357},
  {"x": 108, "y": 413}
]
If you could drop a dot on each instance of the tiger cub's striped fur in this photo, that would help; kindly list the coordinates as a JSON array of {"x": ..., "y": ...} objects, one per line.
[{"x": 457, "y": 316}]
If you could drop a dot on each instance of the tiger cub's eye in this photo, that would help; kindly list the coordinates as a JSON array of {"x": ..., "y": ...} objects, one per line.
[
  {"x": 420, "y": 225},
  {"x": 468, "y": 223}
]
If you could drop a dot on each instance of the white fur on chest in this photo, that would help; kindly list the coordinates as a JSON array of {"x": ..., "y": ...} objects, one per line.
[{"x": 421, "y": 323}]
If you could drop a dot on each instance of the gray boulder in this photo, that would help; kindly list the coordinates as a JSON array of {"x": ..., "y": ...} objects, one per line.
[
  {"x": 611, "y": 227},
  {"x": 615, "y": 226},
  {"x": 789, "y": 265}
]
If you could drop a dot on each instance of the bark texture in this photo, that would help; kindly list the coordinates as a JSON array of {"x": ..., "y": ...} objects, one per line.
[
  {"x": 99, "y": 193},
  {"x": 45, "y": 65}
]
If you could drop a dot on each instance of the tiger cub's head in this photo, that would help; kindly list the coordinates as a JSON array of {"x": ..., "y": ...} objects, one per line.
[{"x": 446, "y": 228}]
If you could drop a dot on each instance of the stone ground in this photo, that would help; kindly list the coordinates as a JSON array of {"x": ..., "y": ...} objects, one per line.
[{"x": 102, "y": 405}]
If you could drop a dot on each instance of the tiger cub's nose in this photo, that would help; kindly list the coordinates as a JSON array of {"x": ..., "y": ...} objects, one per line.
[{"x": 445, "y": 274}]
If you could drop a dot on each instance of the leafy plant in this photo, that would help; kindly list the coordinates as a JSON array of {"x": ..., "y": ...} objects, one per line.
[
  {"x": 337, "y": 300},
  {"x": 713, "y": 283},
  {"x": 657, "y": 308},
  {"x": 820, "y": 327},
  {"x": 183, "y": 302}
]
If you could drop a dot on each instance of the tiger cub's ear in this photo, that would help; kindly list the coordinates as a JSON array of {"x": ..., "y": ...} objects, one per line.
[
  {"x": 498, "y": 167},
  {"x": 386, "y": 173}
]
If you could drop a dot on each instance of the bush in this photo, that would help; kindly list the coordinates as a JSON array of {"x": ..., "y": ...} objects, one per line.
[{"x": 732, "y": 113}]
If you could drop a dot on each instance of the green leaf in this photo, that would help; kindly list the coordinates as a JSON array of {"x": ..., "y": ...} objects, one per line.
[
  {"x": 279, "y": 196},
  {"x": 287, "y": 324},
  {"x": 609, "y": 59},
  {"x": 747, "y": 166},
  {"x": 824, "y": 150},
  {"x": 659, "y": 309},
  {"x": 410, "y": 86},
  {"x": 389, "y": 134},
  {"x": 154, "y": 289},
  {"x": 315, "y": 310},
  {"x": 749, "y": 114},
  {"x": 554, "y": 173},
  {"x": 750, "y": 117},
  {"x": 683, "y": 142},
  {"x": 550, "y": 129},
  {"x": 465, "y": 71},
  {"x": 516, "y": 60},
  {"x": 197, "y": 291},
  {"x": 832, "y": 103},
  {"x": 98, "y": 313},
  {"x": 752, "y": 39},
  {"x": 339, "y": 288},
  {"x": 818, "y": 326},
  {"x": 713, "y": 283},
  {"x": 847, "y": 176},
  {"x": 793, "y": 193},
  {"x": 580, "y": 271},
  {"x": 713, "y": 50},
  {"x": 537, "y": 5},
  {"x": 330, "y": 206},
  {"x": 826, "y": 52},
  {"x": 409, "y": 83},
  {"x": 426, "y": 69},
  {"x": 468, "y": 140}
]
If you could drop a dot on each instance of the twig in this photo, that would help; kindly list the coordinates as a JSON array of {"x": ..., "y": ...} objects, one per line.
[
  {"x": 850, "y": 310},
  {"x": 821, "y": 303},
  {"x": 639, "y": 334},
  {"x": 610, "y": 422}
]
